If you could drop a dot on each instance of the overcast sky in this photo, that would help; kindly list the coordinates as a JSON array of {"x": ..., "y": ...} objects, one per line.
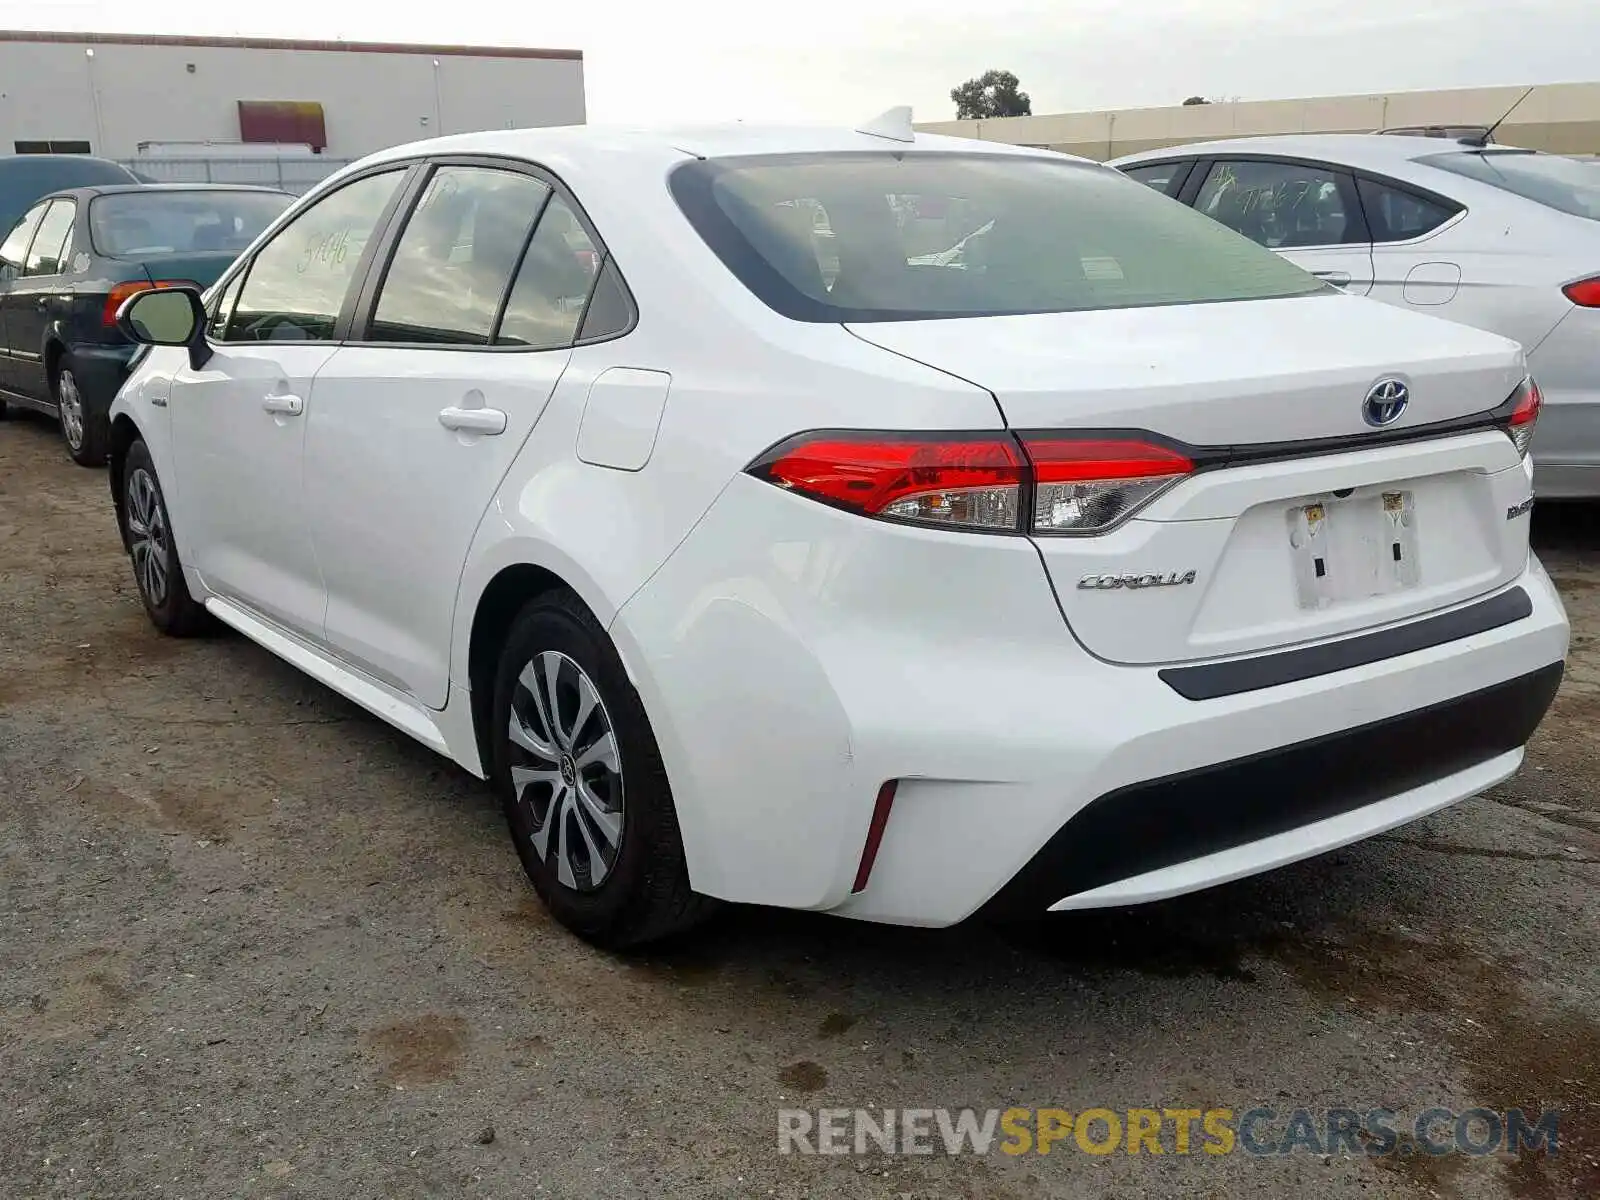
[{"x": 654, "y": 61}]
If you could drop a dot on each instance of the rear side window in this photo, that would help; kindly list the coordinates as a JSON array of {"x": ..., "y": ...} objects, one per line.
[
  {"x": 1396, "y": 214},
  {"x": 51, "y": 242},
  {"x": 886, "y": 236},
  {"x": 14, "y": 250},
  {"x": 1563, "y": 184},
  {"x": 455, "y": 258},
  {"x": 553, "y": 283},
  {"x": 1165, "y": 178},
  {"x": 1282, "y": 205}
]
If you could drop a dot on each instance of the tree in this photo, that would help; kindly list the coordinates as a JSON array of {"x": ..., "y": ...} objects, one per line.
[
  {"x": 1195, "y": 100},
  {"x": 992, "y": 94}
]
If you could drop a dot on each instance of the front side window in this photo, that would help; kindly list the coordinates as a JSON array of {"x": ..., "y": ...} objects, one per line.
[
  {"x": 884, "y": 236},
  {"x": 553, "y": 283},
  {"x": 454, "y": 260},
  {"x": 1397, "y": 215},
  {"x": 298, "y": 282},
  {"x": 1563, "y": 184},
  {"x": 160, "y": 222},
  {"x": 1281, "y": 205},
  {"x": 51, "y": 242},
  {"x": 14, "y": 250}
]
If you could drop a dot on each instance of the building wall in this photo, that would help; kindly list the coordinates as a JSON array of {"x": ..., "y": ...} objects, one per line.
[
  {"x": 131, "y": 91},
  {"x": 1563, "y": 118}
]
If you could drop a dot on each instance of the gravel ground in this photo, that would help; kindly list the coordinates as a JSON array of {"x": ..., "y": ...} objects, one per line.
[{"x": 254, "y": 943}]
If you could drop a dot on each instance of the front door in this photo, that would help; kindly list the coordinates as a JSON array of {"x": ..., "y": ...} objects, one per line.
[
  {"x": 460, "y": 357},
  {"x": 1307, "y": 212},
  {"x": 239, "y": 422}
]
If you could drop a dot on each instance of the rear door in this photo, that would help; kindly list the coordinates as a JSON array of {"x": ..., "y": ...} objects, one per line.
[
  {"x": 13, "y": 260},
  {"x": 39, "y": 297},
  {"x": 460, "y": 340},
  {"x": 1308, "y": 212}
]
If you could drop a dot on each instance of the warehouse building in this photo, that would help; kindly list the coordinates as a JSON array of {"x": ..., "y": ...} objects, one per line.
[
  {"x": 157, "y": 98},
  {"x": 1563, "y": 118}
]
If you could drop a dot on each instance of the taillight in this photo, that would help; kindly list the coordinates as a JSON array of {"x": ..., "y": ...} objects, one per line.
[
  {"x": 1529, "y": 400},
  {"x": 121, "y": 291},
  {"x": 985, "y": 482},
  {"x": 1087, "y": 486},
  {"x": 1585, "y": 293}
]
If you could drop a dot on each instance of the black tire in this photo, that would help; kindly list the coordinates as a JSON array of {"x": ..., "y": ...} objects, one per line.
[
  {"x": 162, "y": 588},
  {"x": 642, "y": 895},
  {"x": 88, "y": 432}
]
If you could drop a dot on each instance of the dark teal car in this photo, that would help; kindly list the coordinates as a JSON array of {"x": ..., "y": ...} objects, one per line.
[{"x": 72, "y": 259}]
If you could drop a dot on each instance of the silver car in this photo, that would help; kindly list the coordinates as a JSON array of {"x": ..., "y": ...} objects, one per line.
[{"x": 1504, "y": 239}]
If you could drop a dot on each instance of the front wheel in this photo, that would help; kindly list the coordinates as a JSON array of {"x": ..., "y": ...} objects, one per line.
[
  {"x": 153, "y": 550},
  {"x": 582, "y": 784},
  {"x": 85, "y": 432}
]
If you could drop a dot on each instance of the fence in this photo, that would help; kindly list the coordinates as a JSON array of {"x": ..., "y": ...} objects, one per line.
[{"x": 296, "y": 175}]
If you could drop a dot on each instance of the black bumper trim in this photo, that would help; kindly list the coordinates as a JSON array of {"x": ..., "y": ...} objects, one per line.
[
  {"x": 1210, "y": 680},
  {"x": 1162, "y": 822}
]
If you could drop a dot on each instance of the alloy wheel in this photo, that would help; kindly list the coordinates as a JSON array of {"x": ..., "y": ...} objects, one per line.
[
  {"x": 566, "y": 770},
  {"x": 148, "y": 540},
  {"x": 70, "y": 401}
]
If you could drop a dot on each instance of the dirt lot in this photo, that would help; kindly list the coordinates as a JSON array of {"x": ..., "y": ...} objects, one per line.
[{"x": 254, "y": 943}]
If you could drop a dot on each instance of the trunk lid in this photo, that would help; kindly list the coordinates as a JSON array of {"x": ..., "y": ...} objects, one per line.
[
  {"x": 204, "y": 267},
  {"x": 1297, "y": 546}
]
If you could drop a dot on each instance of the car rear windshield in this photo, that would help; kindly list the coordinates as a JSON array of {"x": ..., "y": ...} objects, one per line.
[
  {"x": 129, "y": 224},
  {"x": 1560, "y": 183},
  {"x": 909, "y": 236}
]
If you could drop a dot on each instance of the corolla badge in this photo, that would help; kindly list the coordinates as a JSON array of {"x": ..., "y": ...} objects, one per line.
[
  {"x": 1110, "y": 582},
  {"x": 1386, "y": 400}
]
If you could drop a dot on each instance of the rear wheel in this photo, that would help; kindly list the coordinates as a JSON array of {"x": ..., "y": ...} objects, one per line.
[
  {"x": 85, "y": 433},
  {"x": 581, "y": 781},
  {"x": 153, "y": 551}
]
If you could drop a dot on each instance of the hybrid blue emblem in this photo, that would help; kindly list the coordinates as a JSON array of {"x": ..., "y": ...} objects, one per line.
[{"x": 1385, "y": 402}]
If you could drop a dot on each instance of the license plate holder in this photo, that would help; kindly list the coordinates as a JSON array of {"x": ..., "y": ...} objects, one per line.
[{"x": 1353, "y": 547}]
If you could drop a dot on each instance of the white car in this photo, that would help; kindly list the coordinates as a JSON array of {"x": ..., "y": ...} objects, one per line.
[
  {"x": 1504, "y": 239},
  {"x": 1127, "y": 560}
]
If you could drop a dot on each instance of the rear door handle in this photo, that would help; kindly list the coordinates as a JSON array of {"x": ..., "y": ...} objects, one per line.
[
  {"x": 1337, "y": 278},
  {"x": 487, "y": 421},
  {"x": 291, "y": 406}
]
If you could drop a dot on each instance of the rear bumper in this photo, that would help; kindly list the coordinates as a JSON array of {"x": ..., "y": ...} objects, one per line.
[
  {"x": 793, "y": 658},
  {"x": 101, "y": 370}
]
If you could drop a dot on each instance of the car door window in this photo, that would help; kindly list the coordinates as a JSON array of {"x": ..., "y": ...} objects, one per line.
[
  {"x": 50, "y": 242},
  {"x": 297, "y": 283},
  {"x": 454, "y": 260},
  {"x": 1282, "y": 205},
  {"x": 1396, "y": 214},
  {"x": 222, "y": 309},
  {"x": 1165, "y": 178},
  {"x": 553, "y": 283},
  {"x": 14, "y": 250}
]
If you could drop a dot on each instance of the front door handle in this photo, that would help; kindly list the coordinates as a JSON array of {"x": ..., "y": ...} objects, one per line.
[
  {"x": 487, "y": 421},
  {"x": 1337, "y": 278},
  {"x": 290, "y": 406}
]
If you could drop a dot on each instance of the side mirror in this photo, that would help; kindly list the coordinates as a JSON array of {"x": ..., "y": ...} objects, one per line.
[{"x": 167, "y": 317}]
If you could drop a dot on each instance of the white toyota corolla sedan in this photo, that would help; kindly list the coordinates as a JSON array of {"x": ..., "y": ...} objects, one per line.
[
  {"x": 1495, "y": 237},
  {"x": 1119, "y": 559}
]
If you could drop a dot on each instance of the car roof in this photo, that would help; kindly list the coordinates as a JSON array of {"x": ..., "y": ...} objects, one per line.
[
  {"x": 90, "y": 190},
  {"x": 694, "y": 141},
  {"x": 1375, "y": 150}
]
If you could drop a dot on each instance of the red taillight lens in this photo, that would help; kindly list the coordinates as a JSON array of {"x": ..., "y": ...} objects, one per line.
[
  {"x": 1087, "y": 486},
  {"x": 1525, "y": 415},
  {"x": 977, "y": 481},
  {"x": 121, "y": 291},
  {"x": 973, "y": 482},
  {"x": 1585, "y": 293}
]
